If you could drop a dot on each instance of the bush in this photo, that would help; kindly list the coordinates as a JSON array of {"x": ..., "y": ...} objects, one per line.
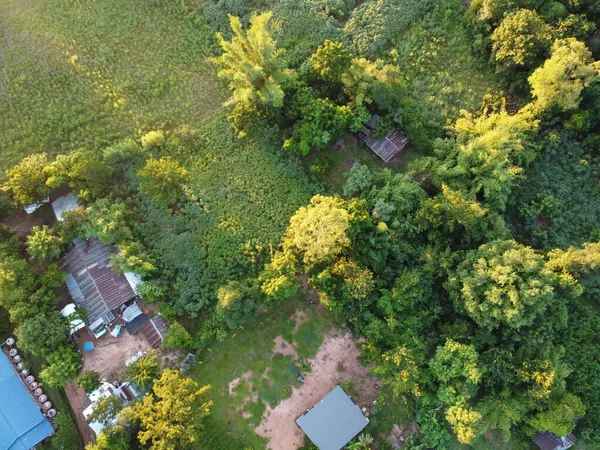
[
  {"x": 178, "y": 337},
  {"x": 153, "y": 139},
  {"x": 89, "y": 381}
]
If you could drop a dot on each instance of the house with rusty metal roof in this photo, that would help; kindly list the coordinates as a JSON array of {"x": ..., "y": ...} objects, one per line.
[{"x": 94, "y": 284}]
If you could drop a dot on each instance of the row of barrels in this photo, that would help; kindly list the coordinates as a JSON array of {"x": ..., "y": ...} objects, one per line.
[{"x": 30, "y": 380}]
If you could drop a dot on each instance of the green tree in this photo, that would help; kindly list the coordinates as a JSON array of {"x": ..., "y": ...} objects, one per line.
[
  {"x": 331, "y": 60},
  {"x": 26, "y": 182},
  {"x": 252, "y": 64},
  {"x": 106, "y": 410},
  {"x": 64, "y": 364},
  {"x": 172, "y": 415},
  {"x": 402, "y": 368},
  {"x": 455, "y": 367},
  {"x": 237, "y": 302},
  {"x": 563, "y": 76},
  {"x": 133, "y": 257},
  {"x": 163, "y": 179},
  {"x": 107, "y": 220},
  {"x": 43, "y": 333},
  {"x": 448, "y": 210},
  {"x": 560, "y": 415},
  {"x": 44, "y": 243},
  {"x": 84, "y": 171},
  {"x": 521, "y": 39},
  {"x": 502, "y": 412},
  {"x": 143, "y": 371},
  {"x": 178, "y": 337},
  {"x": 503, "y": 283},
  {"x": 89, "y": 381},
  {"x": 319, "y": 232},
  {"x": 16, "y": 280}
]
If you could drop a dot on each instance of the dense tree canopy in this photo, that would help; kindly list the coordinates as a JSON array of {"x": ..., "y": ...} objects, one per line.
[{"x": 172, "y": 414}]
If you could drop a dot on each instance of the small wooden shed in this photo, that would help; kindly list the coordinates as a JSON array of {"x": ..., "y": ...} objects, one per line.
[{"x": 387, "y": 147}]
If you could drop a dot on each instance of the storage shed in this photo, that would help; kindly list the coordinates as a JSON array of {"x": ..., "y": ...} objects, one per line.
[
  {"x": 386, "y": 148},
  {"x": 333, "y": 422}
]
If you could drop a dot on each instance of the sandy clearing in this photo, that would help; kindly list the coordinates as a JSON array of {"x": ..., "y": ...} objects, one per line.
[{"x": 338, "y": 351}]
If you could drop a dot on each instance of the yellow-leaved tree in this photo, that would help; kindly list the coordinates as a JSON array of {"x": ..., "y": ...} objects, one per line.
[{"x": 171, "y": 416}]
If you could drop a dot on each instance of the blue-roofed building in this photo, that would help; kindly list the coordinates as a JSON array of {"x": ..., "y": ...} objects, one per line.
[
  {"x": 22, "y": 425},
  {"x": 333, "y": 422}
]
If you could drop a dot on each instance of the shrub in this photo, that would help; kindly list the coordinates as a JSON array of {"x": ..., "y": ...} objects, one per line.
[
  {"x": 153, "y": 139},
  {"x": 89, "y": 381}
]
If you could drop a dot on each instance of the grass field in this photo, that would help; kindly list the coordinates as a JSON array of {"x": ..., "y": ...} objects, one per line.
[{"x": 86, "y": 74}]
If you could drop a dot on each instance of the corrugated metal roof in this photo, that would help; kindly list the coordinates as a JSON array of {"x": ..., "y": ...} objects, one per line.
[
  {"x": 550, "y": 441},
  {"x": 155, "y": 330},
  {"x": 92, "y": 282},
  {"x": 22, "y": 425},
  {"x": 385, "y": 148},
  {"x": 62, "y": 204},
  {"x": 333, "y": 422}
]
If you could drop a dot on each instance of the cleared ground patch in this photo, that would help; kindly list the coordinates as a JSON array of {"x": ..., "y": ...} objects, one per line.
[{"x": 334, "y": 363}]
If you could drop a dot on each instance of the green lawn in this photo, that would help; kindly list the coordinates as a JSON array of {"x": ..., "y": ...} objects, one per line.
[
  {"x": 250, "y": 349},
  {"x": 85, "y": 74}
]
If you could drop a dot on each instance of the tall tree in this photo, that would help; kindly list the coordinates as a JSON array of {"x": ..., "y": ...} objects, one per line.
[
  {"x": 64, "y": 364},
  {"x": 562, "y": 78},
  {"x": 26, "y": 182},
  {"x": 252, "y": 64},
  {"x": 172, "y": 414},
  {"x": 43, "y": 333},
  {"x": 521, "y": 39},
  {"x": 44, "y": 243},
  {"x": 331, "y": 60},
  {"x": 163, "y": 179},
  {"x": 319, "y": 231},
  {"x": 503, "y": 283}
]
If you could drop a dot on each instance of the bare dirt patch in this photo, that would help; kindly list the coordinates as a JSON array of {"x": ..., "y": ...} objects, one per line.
[
  {"x": 236, "y": 382},
  {"x": 335, "y": 363},
  {"x": 285, "y": 348},
  {"x": 110, "y": 353},
  {"x": 309, "y": 291},
  {"x": 22, "y": 223},
  {"x": 400, "y": 434},
  {"x": 299, "y": 318}
]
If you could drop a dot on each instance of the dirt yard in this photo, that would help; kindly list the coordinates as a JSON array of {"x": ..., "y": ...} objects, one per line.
[
  {"x": 335, "y": 363},
  {"x": 110, "y": 353},
  {"x": 22, "y": 223}
]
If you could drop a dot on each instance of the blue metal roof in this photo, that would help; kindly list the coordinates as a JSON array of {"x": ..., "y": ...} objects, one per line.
[
  {"x": 22, "y": 425},
  {"x": 333, "y": 422}
]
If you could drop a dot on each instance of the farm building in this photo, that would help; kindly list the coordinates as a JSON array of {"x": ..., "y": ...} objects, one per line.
[
  {"x": 550, "y": 441},
  {"x": 386, "y": 148},
  {"x": 93, "y": 284},
  {"x": 333, "y": 422},
  {"x": 22, "y": 424}
]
